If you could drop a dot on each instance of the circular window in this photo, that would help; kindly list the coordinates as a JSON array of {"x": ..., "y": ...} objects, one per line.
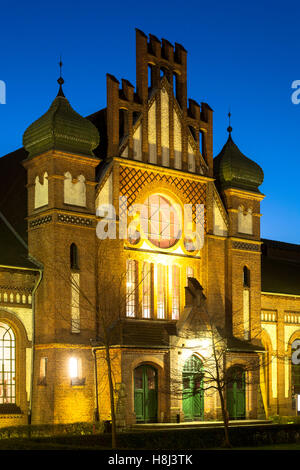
[{"x": 160, "y": 221}]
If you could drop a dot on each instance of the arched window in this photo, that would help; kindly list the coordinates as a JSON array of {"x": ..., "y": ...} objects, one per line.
[
  {"x": 246, "y": 277},
  {"x": 131, "y": 287},
  {"x": 246, "y": 302},
  {"x": 7, "y": 365},
  {"x": 160, "y": 222},
  {"x": 74, "y": 264}
]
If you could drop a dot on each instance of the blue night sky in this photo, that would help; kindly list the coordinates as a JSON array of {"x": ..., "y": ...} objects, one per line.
[{"x": 240, "y": 55}]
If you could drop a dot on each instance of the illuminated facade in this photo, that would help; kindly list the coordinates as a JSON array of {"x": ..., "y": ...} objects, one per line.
[{"x": 154, "y": 288}]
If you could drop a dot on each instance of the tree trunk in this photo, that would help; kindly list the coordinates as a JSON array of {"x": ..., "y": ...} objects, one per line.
[
  {"x": 112, "y": 400},
  {"x": 225, "y": 420}
]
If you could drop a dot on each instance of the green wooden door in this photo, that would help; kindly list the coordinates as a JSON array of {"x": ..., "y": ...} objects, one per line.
[
  {"x": 236, "y": 396},
  {"x": 145, "y": 394},
  {"x": 192, "y": 394}
]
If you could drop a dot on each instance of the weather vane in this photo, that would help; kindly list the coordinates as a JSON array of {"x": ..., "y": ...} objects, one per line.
[
  {"x": 60, "y": 80},
  {"x": 229, "y": 128}
]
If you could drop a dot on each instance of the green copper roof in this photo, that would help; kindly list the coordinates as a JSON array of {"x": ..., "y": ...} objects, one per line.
[
  {"x": 61, "y": 128},
  {"x": 233, "y": 170}
]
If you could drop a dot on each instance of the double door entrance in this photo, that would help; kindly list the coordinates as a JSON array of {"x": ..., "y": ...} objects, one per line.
[
  {"x": 145, "y": 394},
  {"x": 192, "y": 394},
  {"x": 236, "y": 396}
]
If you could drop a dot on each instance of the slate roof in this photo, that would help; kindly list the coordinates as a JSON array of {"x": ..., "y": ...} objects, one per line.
[
  {"x": 13, "y": 207},
  {"x": 280, "y": 267},
  {"x": 13, "y": 191},
  {"x": 12, "y": 252},
  {"x": 142, "y": 333}
]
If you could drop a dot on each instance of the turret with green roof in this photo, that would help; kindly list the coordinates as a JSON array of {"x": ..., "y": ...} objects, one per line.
[
  {"x": 233, "y": 170},
  {"x": 61, "y": 128}
]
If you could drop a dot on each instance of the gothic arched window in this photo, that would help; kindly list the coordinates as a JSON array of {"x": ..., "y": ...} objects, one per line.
[
  {"x": 7, "y": 365},
  {"x": 246, "y": 277},
  {"x": 74, "y": 264}
]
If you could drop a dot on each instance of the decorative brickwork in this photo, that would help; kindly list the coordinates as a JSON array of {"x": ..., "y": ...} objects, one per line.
[
  {"x": 245, "y": 246},
  {"x": 40, "y": 221},
  {"x": 132, "y": 180},
  {"x": 71, "y": 219}
]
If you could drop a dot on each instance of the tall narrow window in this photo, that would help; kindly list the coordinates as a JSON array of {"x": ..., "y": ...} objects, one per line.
[
  {"x": 131, "y": 286},
  {"x": 75, "y": 371},
  {"x": 43, "y": 370},
  {"x": 7, "y": 365},
  {"x": 147, "y": 301},
  {"x": 246, "y": 302},
  {"x": 175, "y": 292},
  {"x": 161, "y": 291},
  {"x": 75, "y": 307},
  {"x": 74, "y": 264},
  {"x": 246, "y": 277}
]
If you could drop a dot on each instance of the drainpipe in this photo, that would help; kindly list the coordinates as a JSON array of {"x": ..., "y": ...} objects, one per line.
[
  {"x": 33, "y": 342},
  {"x": 96, "y": 412}
]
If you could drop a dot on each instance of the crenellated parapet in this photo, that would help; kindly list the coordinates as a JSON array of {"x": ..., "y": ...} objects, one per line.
[{"x": 154, "y": 124}]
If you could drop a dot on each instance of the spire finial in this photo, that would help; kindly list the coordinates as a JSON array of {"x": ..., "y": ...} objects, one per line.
[
  {"x": 229, "y": 128},
  {"x": 60, "y": 81}
]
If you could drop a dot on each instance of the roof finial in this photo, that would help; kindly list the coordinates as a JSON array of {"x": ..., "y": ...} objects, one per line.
[
  {"x": 229, "y": 128},
  {"x": 60, "y": 81}
]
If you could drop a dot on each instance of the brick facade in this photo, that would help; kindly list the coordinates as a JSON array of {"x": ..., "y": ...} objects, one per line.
[{"x": 38, "y": 302}]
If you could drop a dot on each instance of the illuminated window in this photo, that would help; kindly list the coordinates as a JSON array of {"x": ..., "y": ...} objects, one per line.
[
  {"x": 160, "y": 222},
  {"x": 75, "y": 371},
  {"x": 175, "y": 292},
  {"x": 161, "y": 291},
  {"x": 131, "y": 288},
  {"x": 7, "y": 365},
  {"x": 75, "y": 299},
  {"x": 43, "y": 370},
  {"x": 146, "y": 284}
]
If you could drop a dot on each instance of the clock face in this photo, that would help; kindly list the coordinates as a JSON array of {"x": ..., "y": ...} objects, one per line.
[{"x": 160, "y": 221}]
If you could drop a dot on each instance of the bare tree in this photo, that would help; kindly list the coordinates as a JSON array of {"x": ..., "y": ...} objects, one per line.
[
  {"x": 107, "y": 307},
  {"x": 220, "y": 351}
]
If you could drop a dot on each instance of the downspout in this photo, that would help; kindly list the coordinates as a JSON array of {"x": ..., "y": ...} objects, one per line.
[
  {"x": 96, "y": 412},
  {"x": 33, "y": 342}
]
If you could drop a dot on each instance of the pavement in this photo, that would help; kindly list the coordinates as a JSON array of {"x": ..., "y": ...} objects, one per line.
[{"x": 198, "y": 424}]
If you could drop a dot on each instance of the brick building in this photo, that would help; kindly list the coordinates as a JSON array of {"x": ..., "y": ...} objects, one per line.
[{"x": 157, "y": 293}]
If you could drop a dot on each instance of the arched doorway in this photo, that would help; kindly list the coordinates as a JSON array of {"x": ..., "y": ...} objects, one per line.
[
  {"x": 236, "y": 393},
  {"x": 145, "y": 394},
  {"x": 192, "y": 393}
]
